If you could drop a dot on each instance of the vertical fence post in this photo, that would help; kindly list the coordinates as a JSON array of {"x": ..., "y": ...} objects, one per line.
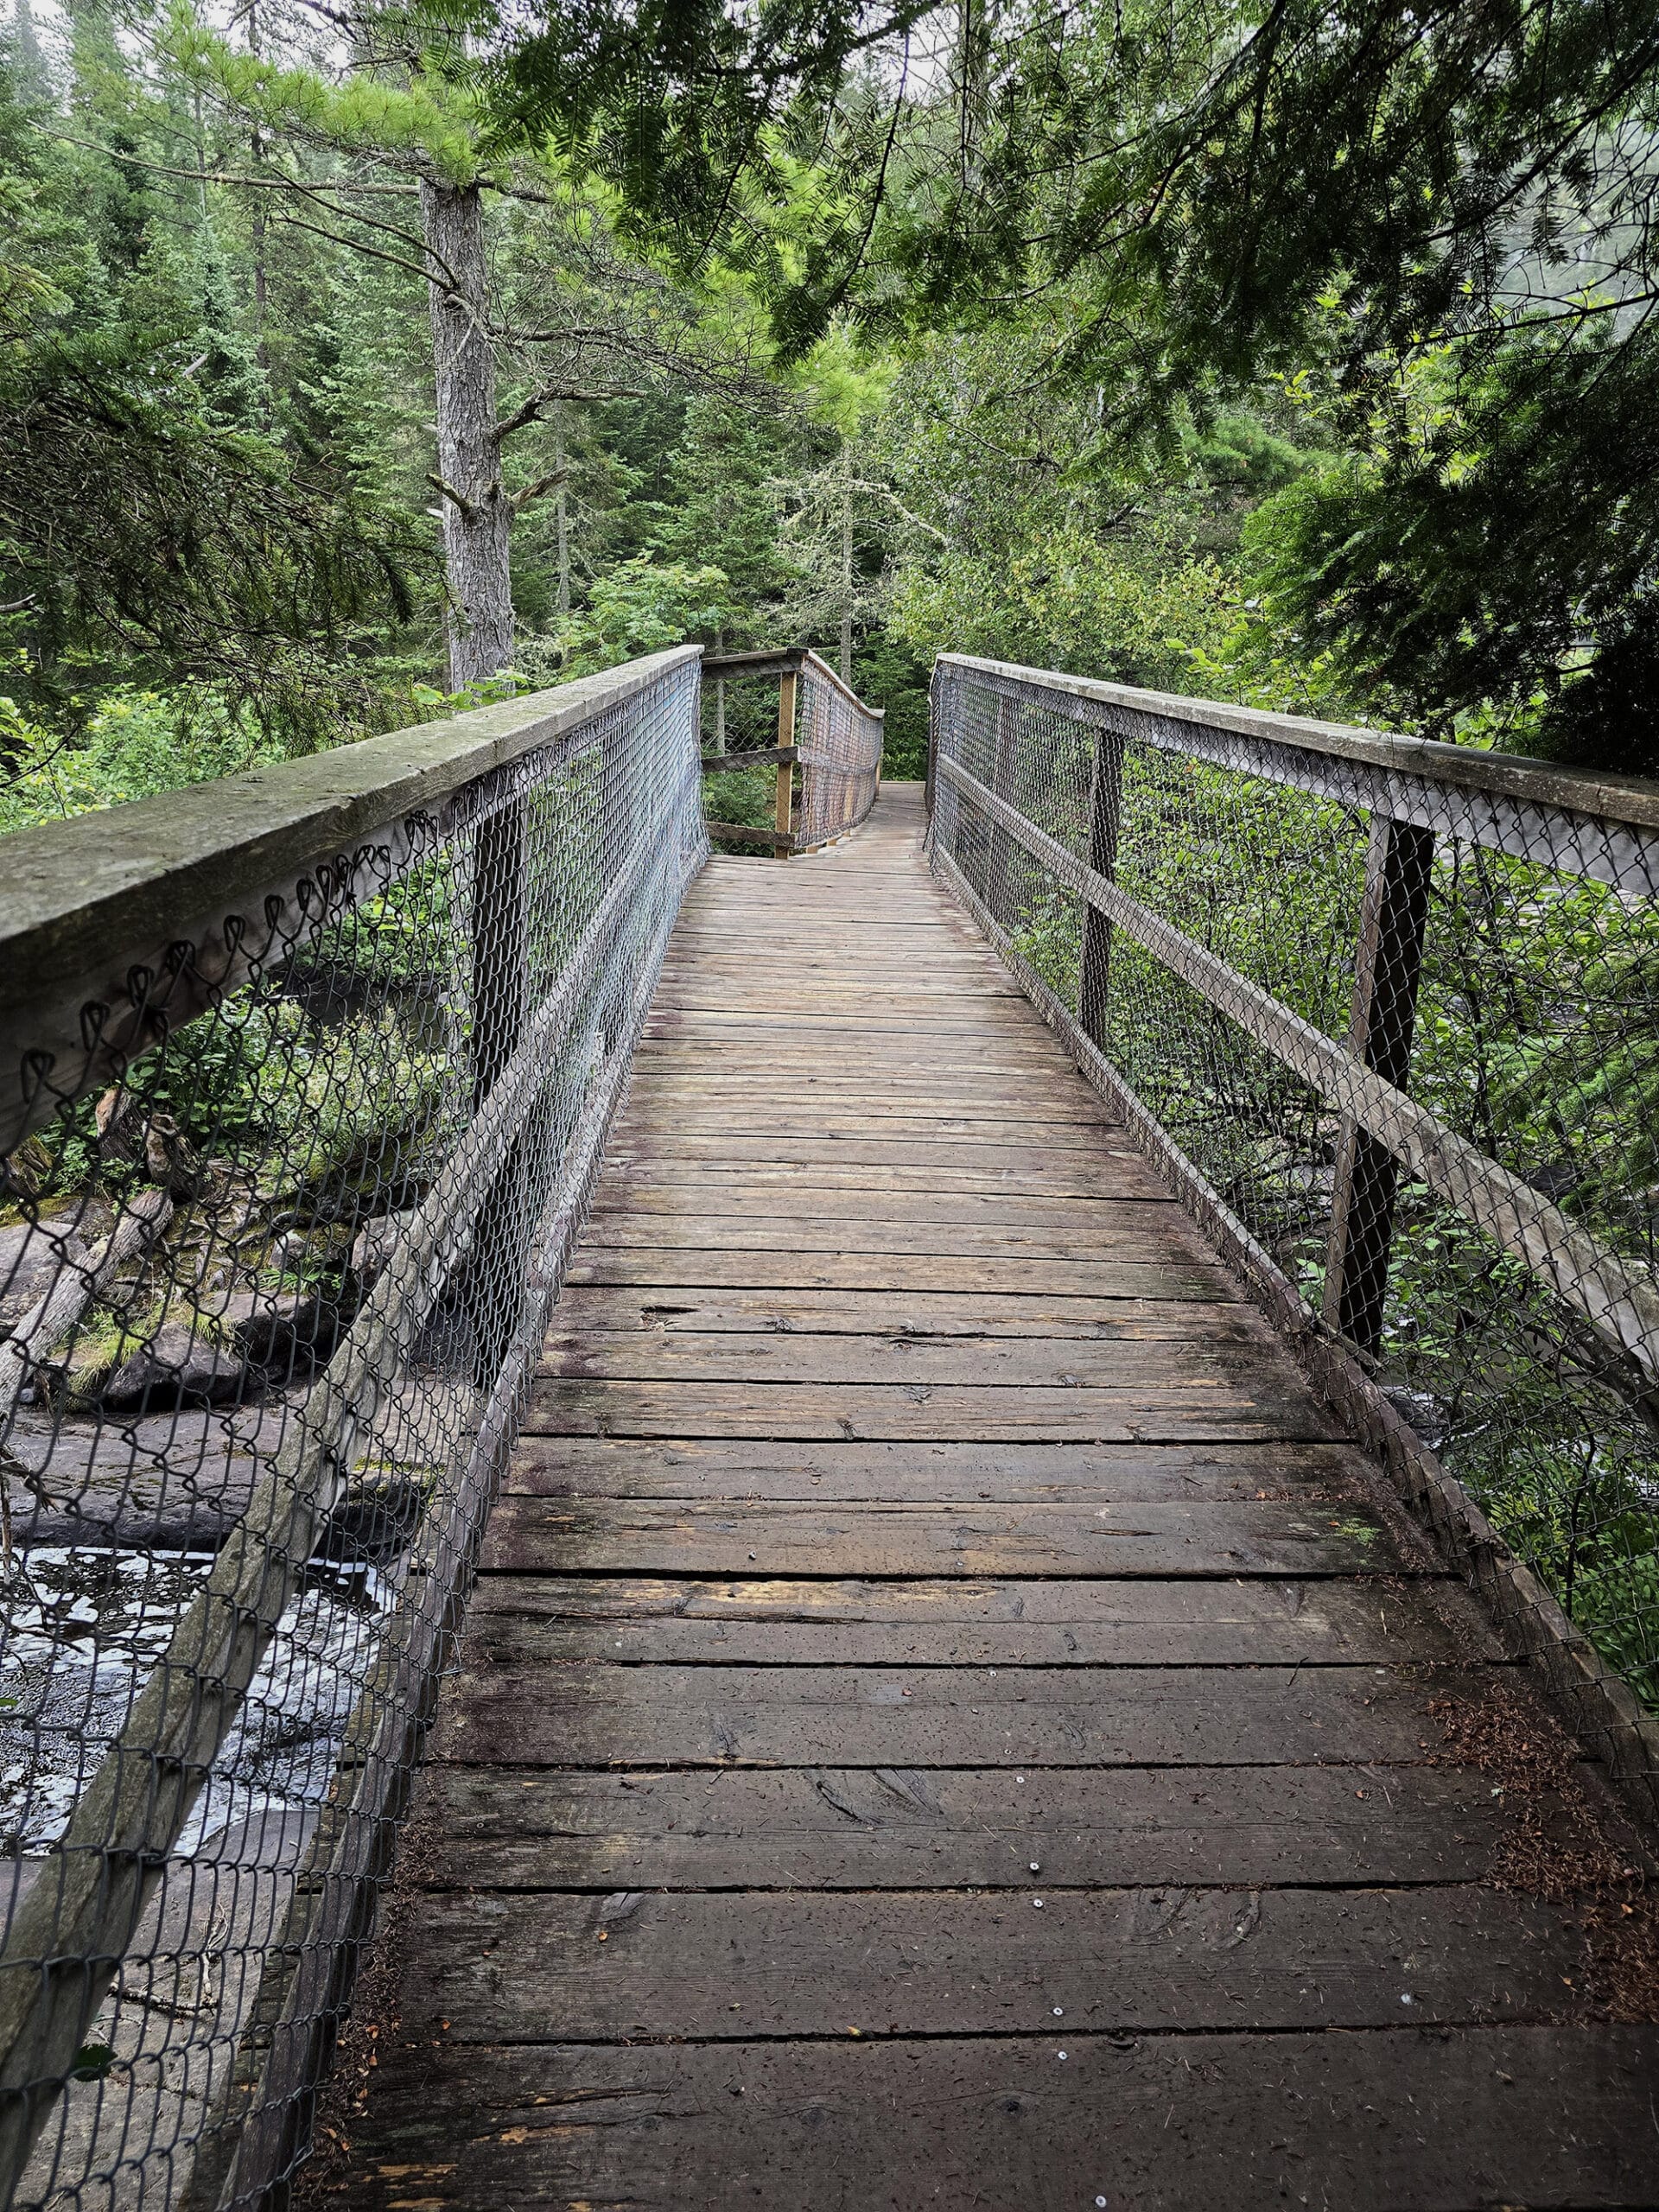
[
  {"x": 935, "y": 708},
  {"x": 500, "y": 981},
  {"x": 999, "y": 867},
  {"x": 1105, "y": 818},
  {"x": 1390, "y": 960},
  {"x": 783, "y": 820}
]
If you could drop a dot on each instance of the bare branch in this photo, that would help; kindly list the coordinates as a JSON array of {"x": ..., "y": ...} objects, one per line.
[
  {"x": 531, "y": 409},
  {"x": 547, "y": 483},
  {"x": 467, "y": 508}
]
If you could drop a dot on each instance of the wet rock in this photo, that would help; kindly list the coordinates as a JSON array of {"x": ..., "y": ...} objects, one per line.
[
  {"x": 283, "y": 1332},
  {"x": 32, "y": 1256},
  {"x": 176, "y": 1367},
  {"x": 174, "y": 1480}
]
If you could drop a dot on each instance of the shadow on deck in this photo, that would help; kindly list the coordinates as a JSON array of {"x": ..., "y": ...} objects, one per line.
[{"x": 947, "y": 1719}]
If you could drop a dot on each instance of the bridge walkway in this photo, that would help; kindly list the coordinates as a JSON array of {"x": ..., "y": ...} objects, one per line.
[{"x": 946, "y": 1718}]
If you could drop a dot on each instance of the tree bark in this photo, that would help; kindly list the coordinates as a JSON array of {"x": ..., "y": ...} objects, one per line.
[
  {"x": 846, "y": 560},
  {"x": 477, "y": 513},
  {"x": 562, "y": 507}
]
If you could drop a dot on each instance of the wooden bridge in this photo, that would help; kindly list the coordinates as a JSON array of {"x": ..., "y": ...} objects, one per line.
[{"x": 947, "y": 1719}]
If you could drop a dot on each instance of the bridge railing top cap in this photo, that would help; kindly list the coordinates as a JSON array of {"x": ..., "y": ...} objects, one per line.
[
  {"x": 138, "y": 872},
  {"x": 1632, "y": 800}
]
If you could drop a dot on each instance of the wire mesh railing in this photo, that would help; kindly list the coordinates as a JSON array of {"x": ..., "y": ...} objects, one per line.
[
  {"x": 312, "y": 1071},
  {"x": 1384, "y": 1013},
  {"x": 796, "y": 780}
]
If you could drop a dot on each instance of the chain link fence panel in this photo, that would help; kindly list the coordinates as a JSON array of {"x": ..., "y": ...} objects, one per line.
[
  {"x": 288, "y": 1194},
  {"x": 1385, "y": 1012}
]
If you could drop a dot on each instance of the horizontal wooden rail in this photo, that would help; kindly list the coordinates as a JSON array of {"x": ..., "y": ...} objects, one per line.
[
  {"x": 154, "y": 909},
  {"x": 787, "y": 660},
  {"x": 769, "y": 756}
]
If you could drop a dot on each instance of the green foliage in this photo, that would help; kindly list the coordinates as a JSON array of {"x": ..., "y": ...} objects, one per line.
[
  {"x": 1073, "y": 602},
  {"x": 1496, "y": 561},
  {"x": 889, "y": 674},
  {"x": 134, "y": 745},
  {"x": 151, "y": 529},
  {"x": 746, "y": 796},
  {"x": 641, "y": 606}
]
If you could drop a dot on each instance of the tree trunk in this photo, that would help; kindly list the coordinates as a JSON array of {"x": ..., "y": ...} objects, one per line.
[
  {"x": 846, "y": 560},
  {"x": 477, "y": 513},
  {"x": 561, "y": 507}
]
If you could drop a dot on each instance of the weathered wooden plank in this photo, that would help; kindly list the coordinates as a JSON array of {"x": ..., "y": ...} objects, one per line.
[
  {"x": 960, "y": 1028},
  {"x": 824, "y": 1202},
  {"x": 1124, "y": 1360},
  {"x": 1243, "y": 1407},
  {"x": 1391, "y": 2122},
  {"x": 823, "y": 1091},
  {"x": 891, "y": 1315},
  {"x": 604, "y": 1466},
  {"x": 727, "y": 1139},
  {"x": 823, "y": 975},
  {"x": 642, "y": 1168},
  {"x": 1153, "y": 1231},
  {"x": 815, "y": 966},
  {"x": 714, "y": 1128},
  {"x": 531, "y": 1968},
  {"x": 782, "y": 1264},
  {"x": 814, "y": 1536},
  {"x": 506, "y": 1828},
  {"x": 881, "y": 1061},
  {"x": 946, "y": 1622},
  {"x": 927, "y": 1717}
]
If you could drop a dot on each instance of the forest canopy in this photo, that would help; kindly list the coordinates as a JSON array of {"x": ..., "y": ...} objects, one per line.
[{"x": 353, "y": 359}]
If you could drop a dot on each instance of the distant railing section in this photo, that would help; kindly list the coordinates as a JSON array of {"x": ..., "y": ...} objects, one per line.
[
  {"x": 1386, "y": 1013},
  {"x": 312, "y": 1070},
  {"x": 823, "y": 752}
]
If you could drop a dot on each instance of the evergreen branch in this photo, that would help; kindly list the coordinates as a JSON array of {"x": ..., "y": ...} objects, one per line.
[
  {"x": 275, "y": 182},
  {"x": 279, "y": 183}
]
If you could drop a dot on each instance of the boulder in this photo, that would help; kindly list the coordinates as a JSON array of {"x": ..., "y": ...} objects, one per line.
[
  {"x": 32, "y": 1256},
  {"x": 284, "y": 1332},
  {"x": 176, "y": 1367}
]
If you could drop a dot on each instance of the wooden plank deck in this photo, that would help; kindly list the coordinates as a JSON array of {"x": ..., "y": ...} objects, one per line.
[{"x": 946, "y": 1719}]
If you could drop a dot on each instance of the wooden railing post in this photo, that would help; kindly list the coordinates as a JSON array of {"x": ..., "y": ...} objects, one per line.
[
  {"x": 1105, "y": 817},
  {"x": 999, "y": 864},
  {"x": 501, "y": 1001},
  {"x": 1390, "y": 960},
  {"x": 935, "y": 707},
  {"x": 783, "y": 820}
]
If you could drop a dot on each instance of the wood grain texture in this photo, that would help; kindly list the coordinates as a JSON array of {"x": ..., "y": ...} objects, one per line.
[
  {"x": 1370, "y": 2122},
  {"x": 509, "y": 1827},
  {"x": 625, "y": 1535},
  {"x": 911, "y": 1521},
  {"x": 778, "y": 1620},
  {"x": 723, "y": 1470},
  {"x": 512, "y": 1705}
]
